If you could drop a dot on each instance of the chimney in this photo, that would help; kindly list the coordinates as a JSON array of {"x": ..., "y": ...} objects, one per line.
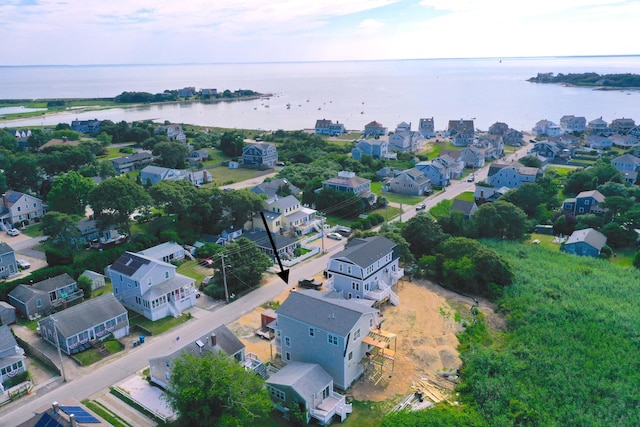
[
  {"x": 55, "y": 407},
  {"x": 213, "y": 340},
  {"x": 72, "y": 420}
]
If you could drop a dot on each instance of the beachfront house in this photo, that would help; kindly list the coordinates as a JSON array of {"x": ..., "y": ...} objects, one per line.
[
  {"x": 327, "y": 127},
  {"x": 12, "y": 357},
  {"x": 426, "y": 128},
  {"x": 571, "y": 124},
  {"x": 622, "y": 126},
  {"x": 259, "y": 154},
  {"x": 76, "y": 328},
  {"x": 366, "y": 269},
  {"x": 511, "y": 176},
  {"x": 598, "y": 127},
  {"x": 16, "y": 207},
  {"x": 312, "y": 328},
  {"x": 46, "y": 296},
  {"x": 546, "y": 128},
  {"x": 151, "y": 287},
  {"x": 86, "y": 126},
  {"x": 587, "y": 242},
  {"x": 374, "y": 129},
  {"x": 218, "y": 340},
  {"x": 461, "y": 132},
  {"x": 498, "y": 128},
  {"x": 629, "y": 165},
  {"x": 308, "y": 387},
  {"x": 8, "y": 266},
  {"x": 132, "y": 162},
  {"x": 404, "y": 139}
]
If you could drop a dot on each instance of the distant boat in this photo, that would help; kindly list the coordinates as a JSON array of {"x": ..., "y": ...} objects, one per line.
[
  {"x": 307, "y": 100},
  {"x": 361, "y": 112},
  {"x": 319, "y": 108}
]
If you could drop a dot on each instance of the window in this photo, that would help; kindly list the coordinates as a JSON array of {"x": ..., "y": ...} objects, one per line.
[
  {"x": 166, "y": 274},
  {"x": 349, "y": 269},
  {"x": 312, "y": 332},
  {"x": 287, "y": 356},
  {"x": 351, "y": 355},
  {"x": 38, "y": 303},
  {"x": 356, "y": 334},
  {"x": 586, "y": 202},
  {"x": 278, "y": 394},
  {"x": 355, "y": 286},
  {"x": 287, "y": 341},
  {"x": 332, "y": 339}
]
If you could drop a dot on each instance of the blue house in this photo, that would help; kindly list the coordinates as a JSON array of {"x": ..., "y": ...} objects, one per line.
[
  {"x": 260, "y": 154},
  {"x": 587, "y": 242},
  {"x": 376, "y": 148},
  {"x": 584, "y": 202},
  {"x": 8, "y": 264}
]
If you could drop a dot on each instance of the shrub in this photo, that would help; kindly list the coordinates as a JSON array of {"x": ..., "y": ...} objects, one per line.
[{"x": 58, "y": 257}]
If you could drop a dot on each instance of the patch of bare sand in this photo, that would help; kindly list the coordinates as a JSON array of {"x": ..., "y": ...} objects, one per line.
[{"x": 425, "y": 326}]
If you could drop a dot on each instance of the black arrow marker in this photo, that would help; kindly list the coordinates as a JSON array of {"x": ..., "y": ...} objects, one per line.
[{"x": 284, "y": 274}]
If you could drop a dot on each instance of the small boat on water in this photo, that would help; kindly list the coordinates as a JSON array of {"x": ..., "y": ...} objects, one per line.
[
  {"x": 319, "y": 108},
  {"x": 361, "y": 112}
]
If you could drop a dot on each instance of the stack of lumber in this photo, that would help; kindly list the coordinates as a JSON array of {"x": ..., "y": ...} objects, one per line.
[{"x": 429, "y": 390}]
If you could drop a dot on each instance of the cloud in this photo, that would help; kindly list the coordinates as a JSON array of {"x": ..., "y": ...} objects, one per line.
[{"x": 370, "y": 25}]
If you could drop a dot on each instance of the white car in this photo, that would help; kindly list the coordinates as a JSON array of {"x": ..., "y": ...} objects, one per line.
[
  {"x": 334, "y": 236},
  {"x": 23, "y": 264},
  {"x": 13, "y": 232}
]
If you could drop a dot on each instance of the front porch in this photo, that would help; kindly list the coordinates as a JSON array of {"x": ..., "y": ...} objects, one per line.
[{"x": 335, "y": 404}]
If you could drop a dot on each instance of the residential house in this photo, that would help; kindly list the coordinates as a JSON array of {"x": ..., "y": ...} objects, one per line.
[
  {"x": 598, "y": 127},
  {"x": 151, "y": 287},
  {"x": 388, "y": 172},
  {"x": 16, "y": 207},
  {"x": 22, "y": 136},
  {"x": 219, "y": 340},
  {"x": 629, "y": 165},
  {"x": 348, "y": 182},
  {"x": 366, "y": 269},
  {"x": 492, "y": 145},
  {"x": 208, "y": 92},
  {"x": 260, "y": 154},
  {"x": 285, "y": 246},
  {"x": 45, "y": 297},
  {"x": 585, "y": 202},
  {"x": 187, "y": 92},
  {"x": 12, "y": 358},
  {"x": 271, "y": 188},
  {"x": 587, "y": 242},
  {"x": 308, "y": 387},
  {"x": 285, "y": 214},
  {"x": 426, "y": 128},
  {"x": 86, "y": 126},
  {"x": 597, "y": 142},
  {"x": 473, "y": 157},
  {"x": 97, "y": 280},
  {"x": 437, "y": 173},
  {"x": 173, "y": 132},
  {"x": 7, "y": 313},
  {"x": 227, "y": 236},
  {"x": 64, "y": 142},
  {"x": 498, "y": 128},
  {"x": 132, "y": 162},
  {"x": 546, "y": 128},
  {"x": 624, "y": 141},
  {"x": 8, "y": 264},
  {"x": 568, "y": 141},
  {"x": 622, "y": 125},
  {"x": 468, "y": 208},
  {"x": 411, "y": 181},
  {"x": 512, "y": 176},
  {"x": 571, "y": 124},
  {"x": 90, "y": 232},
  {"x": 327, "y": 127},
  {"x": 404, "y": 139},
  {"x": 376, "y": 148},
  {"x": 461, "y": 132},
  {"x": 550, "y": 151},
  {"x": 165, "y": 252},
  {"x": 513, "y": 137},
  {"x": 373, "y": 129},
  {"x": 154, "y": 174},
  {"x": 452, "y": 160},
  {"x": 330, "y": 332},
  {"x": 198, "y": 156},
  {"x": 488, "y": 194},
  {"x": 93, "y": 320}
]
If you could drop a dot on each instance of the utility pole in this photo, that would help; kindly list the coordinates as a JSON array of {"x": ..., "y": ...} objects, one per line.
[
  {"x": 322, "y": 217},
  {"x": 55, "y": 332},
  {"x": 224, "y": 278}
]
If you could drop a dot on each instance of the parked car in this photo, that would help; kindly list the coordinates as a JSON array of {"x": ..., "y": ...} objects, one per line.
[
  {"x": 205, "y": 282},
  {"x": 421, "y": 207},
  {"x": 310, "y": 283},
  {"x": 344, "y": 231},
  {"x": 23, "y": 264},
  {"x": 334, "y": 236},
  {"x": 13, "y": 232},
  {"x": 471, "y": 178}
]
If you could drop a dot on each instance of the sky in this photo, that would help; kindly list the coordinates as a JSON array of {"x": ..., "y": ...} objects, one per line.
[{"x": 74, "y": 32}]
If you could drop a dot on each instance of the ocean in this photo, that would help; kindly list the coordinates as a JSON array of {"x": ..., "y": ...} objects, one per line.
[{"x": 350, "y": 92}]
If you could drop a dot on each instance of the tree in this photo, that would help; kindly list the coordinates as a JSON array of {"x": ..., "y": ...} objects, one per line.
[
  {"x": 232, "y": 143},
  {"x": 176, "y": 197},
  {"x": 114, "y": 200},
  {"x": 244, "y": 266},
  {"x": 424, "y": 234},
  {"x": 104, "y": 139},
  {"x": 241, "y": 204},
  {"x": 500, "y": 219},
  {"x": 70, "y": 193},
  {"x": 85, "y": 283},
  {"x": 215, "y": 390},
  {"x": 172, "y": 154},
  {"x": 577, "y": 181},
  {"x": 62, "y": 229},
  {"x": 531, "y": 161},
  {"x": 528, "y": 197},
  {"x": 208, "y": 250},
  {"x": 24, "y": 173},
  {"x": 618, "y": 236},
  {"x": 106, "y": 169},
  {"x": 342, "y": 204}
]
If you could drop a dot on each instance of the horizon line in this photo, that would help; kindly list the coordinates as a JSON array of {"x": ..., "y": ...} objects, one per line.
[{"x": 320, "y": 61}]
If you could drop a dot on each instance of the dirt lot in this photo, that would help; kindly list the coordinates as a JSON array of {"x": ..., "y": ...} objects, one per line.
[{"x": 425, "y": 323}]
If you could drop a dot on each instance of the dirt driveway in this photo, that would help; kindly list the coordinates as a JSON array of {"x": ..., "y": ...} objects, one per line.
[{"x": 425, "y": 323}]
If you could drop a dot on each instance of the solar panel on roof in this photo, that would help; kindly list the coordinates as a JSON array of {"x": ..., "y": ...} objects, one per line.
[
  {"x": 82, "y": 416},
  {"x": 13, "y": 197},
  {"x": 46, "y": 420}
]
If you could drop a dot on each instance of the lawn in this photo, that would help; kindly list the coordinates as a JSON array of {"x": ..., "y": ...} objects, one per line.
[
  {"x": 335, "y": 220},
  {"x": 560, "y": 170},
  {"x": 466, "y": 196},
  {"x": 91, "y": 356},
  {"x": 433, "y": 149},
  {"x": 193, "y": 270},
  {"x": 159, "y": 326},
  {"x": 376, "y": 188},
  {"x": 623, "y": 257},
  {"x": 32, "y": 230},
  {"x": 222, "y": 175}
]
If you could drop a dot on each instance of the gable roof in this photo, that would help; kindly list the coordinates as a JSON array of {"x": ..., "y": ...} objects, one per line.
[
  {"x": 54, "y": 283},
  {"x": 464, "y": 206},
  {"x": 136, "y": 265},
  {"x": 305, "y": 378},
  {"x": 7, "y": 340},
  {"x": 261, "y": 239},
  {"x": 285, "y": 202},
  {"x": 159, "y": 251},
  {"x": 333, "y": 315},
  {"x": 80, "y": 317},
  {"x": 589, "y": 236},
  {"x": 364, "y": 252},
  {"x": 627, "y": 158},
  {"x": 595, "y": 194},
  {"x": 143, "y": 155},
  {"x": 5, "y": 248},
  {"x": 270, "y": 188}
]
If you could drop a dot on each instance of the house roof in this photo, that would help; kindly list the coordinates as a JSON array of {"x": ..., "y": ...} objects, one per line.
[
  {"x": 159, "y": 251},
  {"x": 627, "y": 158},
  {"x": 176, "y": 282},
  {"x": 333, "y": 315},
  {"x": 373, "y": 124},
  {"x": 270, "y": 188},
  {"x": 285, "y": 202},
  {"x": 83, "y": 316},
  {"x": 7, "y": 339},
  {"x": 305, "y": 378},
  {"x": 354, "y": 181},
  {"x": 589, "y": 236},
  {"x": 323, "y": 123},
  {"x": 464, "y": 206},
  {"x": 5, "y": 248},
  {"x": 364, "y": 252},
  {"x": 595, "y": 194},
  {"x": 157, "y": 170},
  {"x": 261, "y": 239},
  {"x": 93, "y": 275},
  {"x": 54, "y": 283},
  {"x": 135, "y": 265},
  {"x": 143, "y": 155}
]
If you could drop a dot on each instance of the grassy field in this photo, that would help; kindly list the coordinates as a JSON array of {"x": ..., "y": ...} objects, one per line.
[
  {"x": 159, "y": 326},
  {"x": 376, "y": 188},
  {"x": 193, "y": 270},
  {"x": 222, "y": 175}
]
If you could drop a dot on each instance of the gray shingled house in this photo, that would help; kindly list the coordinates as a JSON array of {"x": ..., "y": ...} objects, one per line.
[
  {"x": 11, "y": 356},
  {"x": 45, "y": 297}
]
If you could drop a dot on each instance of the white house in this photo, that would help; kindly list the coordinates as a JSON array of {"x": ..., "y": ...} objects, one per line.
[
  {"x": 165, "y": 252},
  {"x": 506, "y": 175},
  {"x": 16, "y": 206}
]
